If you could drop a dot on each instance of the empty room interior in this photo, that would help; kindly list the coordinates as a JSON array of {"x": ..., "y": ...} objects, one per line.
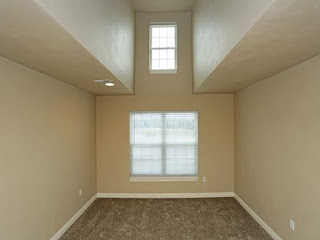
[{"x": 159, "y": 119}]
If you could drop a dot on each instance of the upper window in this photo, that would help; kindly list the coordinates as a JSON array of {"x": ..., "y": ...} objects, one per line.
[
  {"x": 163, "y": 48},
  {"x": 163, "y": 144}
]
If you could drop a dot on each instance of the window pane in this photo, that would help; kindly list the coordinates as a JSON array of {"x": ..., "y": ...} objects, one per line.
[
  {"x": 163, "y": 42},
  {"x": 181, "y": 160},
  {"x": 181, "y": 128},
  {"x": 155, "y": 32},
  {"x": 163, "y": 64},
  {"x": 171, "y": 64},
  {"x": 147, "y": 129},
  {"x": 163, "y": 143},
  {"x": 146, "y": 160},
  {"x": 155, "y": 64},
  {"x": 163, "y": 54},
  {"x": 171, "y": 32},
  {"x": 171, "y": 42},
  {"x": 163, "y": 32},
  {"x": 155, "y": 42},
  {"x": 163, "y": 37},
  {"x": 171, "y": 54},
  {"x": 155, "y": 54}
]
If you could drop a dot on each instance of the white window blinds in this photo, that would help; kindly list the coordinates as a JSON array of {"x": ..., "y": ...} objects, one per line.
[{"x": 164, "y": 143}]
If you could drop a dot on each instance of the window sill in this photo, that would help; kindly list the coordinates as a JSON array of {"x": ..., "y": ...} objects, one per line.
[
  {"x": 165, "y": 179},
  {"x": 163, "y": 71}
]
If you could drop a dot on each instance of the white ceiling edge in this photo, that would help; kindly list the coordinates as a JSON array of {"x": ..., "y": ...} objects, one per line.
[
  {"x": 30, "y": 37},
  {"x": 288, "y": 34},
  {"x": 163, "y": 5}
]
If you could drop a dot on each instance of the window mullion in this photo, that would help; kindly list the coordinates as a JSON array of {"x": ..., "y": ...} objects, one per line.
[
  {"x": 168, "y": 48},
  {"x": 163, "y": 145}
]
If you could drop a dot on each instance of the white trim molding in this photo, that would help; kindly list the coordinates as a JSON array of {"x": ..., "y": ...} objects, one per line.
[
  {"x": 257, "y": 218},
  {"x": 165, "y": 195},
  {"x": 165, "y": 179},
  {"x": 75, "y": 217},
  {"x": 163, "y": 71}
]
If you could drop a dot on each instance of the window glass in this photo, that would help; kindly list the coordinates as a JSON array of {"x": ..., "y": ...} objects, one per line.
[
  {"x": 164, "y": 143},
  {"x": 163, "y": 53}
]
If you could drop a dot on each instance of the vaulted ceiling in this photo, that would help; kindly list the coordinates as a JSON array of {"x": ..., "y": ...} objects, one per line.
[
  {"x": 31, "y": 37},
  {"x": 77, "y": 48},
  {"x": 235, "y": 43},
  {"x": 286, "y": 34}
]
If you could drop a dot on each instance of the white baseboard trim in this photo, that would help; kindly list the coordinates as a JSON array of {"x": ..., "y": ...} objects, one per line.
[
  {"x": 165, "y": 195},
  {"x": 257, "y": 218},
  {"x": 73, "y": 219}
]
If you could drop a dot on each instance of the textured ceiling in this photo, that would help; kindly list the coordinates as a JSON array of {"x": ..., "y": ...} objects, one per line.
[
  {"x": 288, "y": 34},
  {"x": 29, "y": 36},
  {"x": 162, "y": 5},
  {"x": 285, "y": 36}
]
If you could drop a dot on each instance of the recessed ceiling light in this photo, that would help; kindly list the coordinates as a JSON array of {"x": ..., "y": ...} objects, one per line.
[
  {"x": 106, "y": 82},
  {"x": 109, "y": 84}
]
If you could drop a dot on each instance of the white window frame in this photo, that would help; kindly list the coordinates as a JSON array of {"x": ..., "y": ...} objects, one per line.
[
  {"x": 163, "y": 24},
  {"x": 164, "y": 178}
]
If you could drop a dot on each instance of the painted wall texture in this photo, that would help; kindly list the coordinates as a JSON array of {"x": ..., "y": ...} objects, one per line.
[
  {"x": 165, "y": 92},
  {"x": 218, "y": 25},
  {"x": 106, "y": 28},
  {"x": 277, "y": 154},
  {"x": 47, "y": 152}
]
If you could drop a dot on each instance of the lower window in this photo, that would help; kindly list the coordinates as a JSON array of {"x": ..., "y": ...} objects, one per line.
[{"x": 164, "y": 144}]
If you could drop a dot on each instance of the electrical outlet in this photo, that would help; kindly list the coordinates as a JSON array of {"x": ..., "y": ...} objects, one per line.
[
  {"x": 80, "y": 192},
  {"x": 204, "y": 179},
  {"x": 292, "y": 227}
]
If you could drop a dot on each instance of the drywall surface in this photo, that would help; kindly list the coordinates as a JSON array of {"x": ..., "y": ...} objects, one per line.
[
  {"x": 286, "y": 35},
  {"x": 31, "y": 37},
  {"x": 47, "y": 152},
  {"x": 165, "y": 92},
  {"x": 104, "y": 27},
  {"x": 218, "y": 25},
  {"x": 277, "y": 137},
  {"x": 163, "y": 5}
]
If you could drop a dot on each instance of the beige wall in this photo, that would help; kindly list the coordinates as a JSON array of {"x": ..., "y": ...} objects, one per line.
[
  {"x": 165, "y": 92},
  {"x": 47, "y": 152},
  {"x": 218, "y": 25},
  {"x": 104, "y": 27},
  {"x": 277, "y": 150}
]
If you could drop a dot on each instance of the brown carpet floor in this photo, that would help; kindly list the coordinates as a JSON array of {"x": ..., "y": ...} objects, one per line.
[{"x": 166, "y": 219}]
